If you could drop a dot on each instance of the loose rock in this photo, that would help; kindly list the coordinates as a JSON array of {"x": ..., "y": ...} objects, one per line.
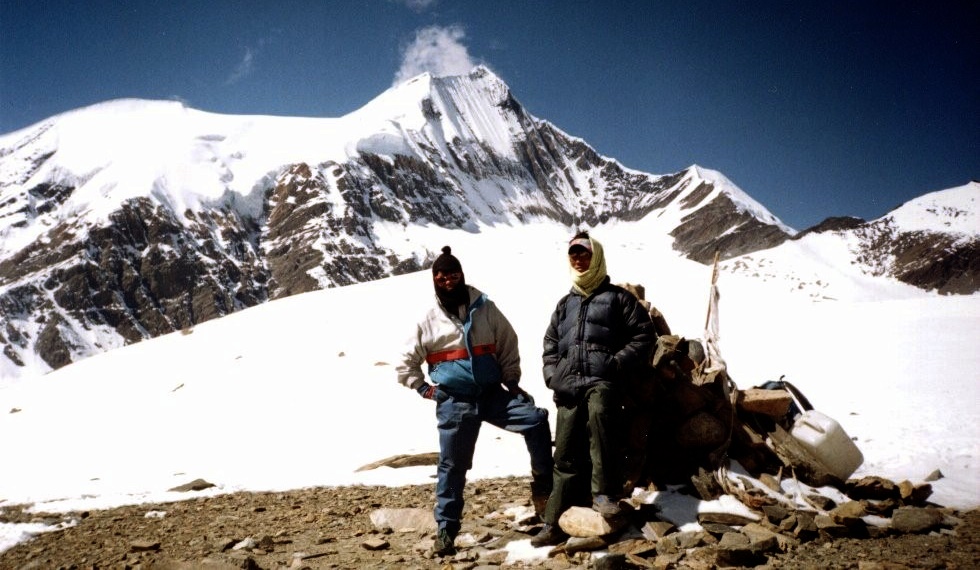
[{"x": 330, "y": 528}]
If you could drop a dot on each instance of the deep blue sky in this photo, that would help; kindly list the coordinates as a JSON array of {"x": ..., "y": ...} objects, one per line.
[{"x": 815, "y": 108}]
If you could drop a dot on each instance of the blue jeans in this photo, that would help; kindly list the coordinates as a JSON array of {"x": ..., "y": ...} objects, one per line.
[{"x": 459, "y": 421}]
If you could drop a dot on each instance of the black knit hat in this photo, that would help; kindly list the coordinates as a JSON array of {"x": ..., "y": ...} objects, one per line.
[{"x": 446, "y": 263}]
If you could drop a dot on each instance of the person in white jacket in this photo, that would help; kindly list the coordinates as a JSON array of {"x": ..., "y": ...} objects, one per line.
[{"x": 472, "y": 358}]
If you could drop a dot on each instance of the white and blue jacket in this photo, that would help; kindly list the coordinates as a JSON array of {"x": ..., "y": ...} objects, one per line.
[{"x": 465, "y": 355}]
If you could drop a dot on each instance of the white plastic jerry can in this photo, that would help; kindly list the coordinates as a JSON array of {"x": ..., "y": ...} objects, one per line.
[{"x": 828, "y": 443}]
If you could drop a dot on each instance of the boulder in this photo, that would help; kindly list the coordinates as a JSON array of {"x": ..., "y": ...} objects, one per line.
[
  {"x": 916, "y": 519},
  {"x": 403, "y": 520},
  {"x": 702, "y": 430},
  {"x": 876, "y": 488},
  {"x": 403, "y": 460},
  {"x": 655, "y": 530},
  {"x": 584, "y": 544},
  {"x": 195, "y": 485},
  {"x": 736, "y": 549},
  {"x": 806, "y": 526},
  {"x": 681, "y": 541},
  {"x": 734, "y": 540},
  {"x": 775, "y": 513},
  {"x": 634, "y": 546},
  {"x": 612, "y": 562},
  {"x": 830, "y": 528},
  {"x": 585, "y": 523},
  {"x": 375, "y": 544},
  {"x": 912, "y": 494},
  {"x": 772, "y": 403},
  {"x": 848, "y": 510},
  {"x": 144, "y": 546}
]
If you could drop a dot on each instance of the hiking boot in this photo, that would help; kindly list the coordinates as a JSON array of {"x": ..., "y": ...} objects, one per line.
[
  {"x": 606, "y": 506},
  {"x": 550, "y": 535},
  {"x": 540, "y": 502},
  {"x": 443, "y": 546}
]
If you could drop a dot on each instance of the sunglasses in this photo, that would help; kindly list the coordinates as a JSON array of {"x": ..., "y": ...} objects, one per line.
[{"x": 447, "y": 277}]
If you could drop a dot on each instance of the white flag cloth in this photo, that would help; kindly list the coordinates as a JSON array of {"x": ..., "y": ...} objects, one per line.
[{"x": 712, "y": 327}]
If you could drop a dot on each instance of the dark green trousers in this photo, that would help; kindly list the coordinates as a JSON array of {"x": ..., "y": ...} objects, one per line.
[{"x": 588, "y": 451}]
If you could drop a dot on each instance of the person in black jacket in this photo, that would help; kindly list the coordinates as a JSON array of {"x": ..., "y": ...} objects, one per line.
[{"x": 598, "y": 336}]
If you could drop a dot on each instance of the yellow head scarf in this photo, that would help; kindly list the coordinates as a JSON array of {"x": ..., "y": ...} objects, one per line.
[{"x": 589, "y": 280}]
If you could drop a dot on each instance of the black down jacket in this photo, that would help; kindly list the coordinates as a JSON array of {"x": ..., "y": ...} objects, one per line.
[{"x": 605, "y": 337}]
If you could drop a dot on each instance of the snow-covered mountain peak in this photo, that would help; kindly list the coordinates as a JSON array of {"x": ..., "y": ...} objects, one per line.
[
  {"x": 479, "y": 80},
  {"x": 98, "y": 117},
  {"x": 947, "y": 211},
  {"x": 429, "y": 111},
  {"x": 112, "y": 152},
  {"x": 930, "y": 243},
  {"x": 743, "y": 201},
  {"x": 400, "y": 103},
  {"x": 186, "y": 159}
]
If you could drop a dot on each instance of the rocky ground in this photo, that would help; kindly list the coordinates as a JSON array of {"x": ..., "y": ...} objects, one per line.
[{"x": 331, "y": 528}]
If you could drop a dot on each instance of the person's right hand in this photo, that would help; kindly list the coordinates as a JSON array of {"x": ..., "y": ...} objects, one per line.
[
  {"x": 516, "y": 391},
  {"x": 431, "y": 392}
]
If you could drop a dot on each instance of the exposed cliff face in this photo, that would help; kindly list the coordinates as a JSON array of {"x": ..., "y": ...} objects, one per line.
[
  {"x": 719, "y": 226},
  {"x": 835, "y": 223},
  {"x": 946, "y": 263},
  {"x": 313, "y": 240},
  {"x": 142, "y": 273},
  {"x": 936, "y": 261}
]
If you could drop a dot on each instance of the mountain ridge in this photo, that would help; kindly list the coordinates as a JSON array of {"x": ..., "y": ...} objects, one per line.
[{"x": 129, "y": 219}]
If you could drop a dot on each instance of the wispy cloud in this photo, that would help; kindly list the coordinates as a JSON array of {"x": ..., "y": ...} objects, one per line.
[
  {"x": 244, "y": 67},
  {"x": 438, "y": 50},
  {"x": 417, "y": 5}
]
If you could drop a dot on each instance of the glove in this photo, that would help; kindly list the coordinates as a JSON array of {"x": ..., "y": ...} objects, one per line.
[
  {"x": 427, "y": 391},
  {"x": 517, "y": 391}
]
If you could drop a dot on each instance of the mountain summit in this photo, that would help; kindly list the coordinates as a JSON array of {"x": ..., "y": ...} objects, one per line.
[{"x": 130, "y": 219}]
